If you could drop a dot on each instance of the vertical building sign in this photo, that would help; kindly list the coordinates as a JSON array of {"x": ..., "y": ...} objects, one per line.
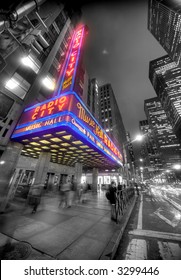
[{"x": 69, "y": 77}]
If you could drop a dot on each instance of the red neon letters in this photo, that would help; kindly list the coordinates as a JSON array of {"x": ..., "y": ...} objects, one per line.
[{"x": 69, "y": 71}]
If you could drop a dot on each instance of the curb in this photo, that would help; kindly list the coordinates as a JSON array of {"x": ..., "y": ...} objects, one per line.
[{"x": 110, "y": 251}]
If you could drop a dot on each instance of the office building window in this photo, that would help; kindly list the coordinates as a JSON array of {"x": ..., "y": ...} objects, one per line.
[
  {"x": 18, "y": 86},
  {"x": 5, "y": 105}
]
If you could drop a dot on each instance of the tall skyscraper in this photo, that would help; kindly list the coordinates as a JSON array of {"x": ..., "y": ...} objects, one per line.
[
  {"x": 147, "y": 148},
  {"x": 112, "y": 122},
  {"x": 110, "y": 115},
  {"x": 164, "y": 22},
  {"x": 165, "y": 143},
  {"x": 165, "y": 77}
]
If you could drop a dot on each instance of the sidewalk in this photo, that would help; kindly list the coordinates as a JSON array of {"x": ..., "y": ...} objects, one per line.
[{"x": 82, "y": 232}]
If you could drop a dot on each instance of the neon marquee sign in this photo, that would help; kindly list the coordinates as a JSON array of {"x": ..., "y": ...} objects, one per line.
[
  {"x": 68, "y": 77},
  {"x": 69, "y": 110}
]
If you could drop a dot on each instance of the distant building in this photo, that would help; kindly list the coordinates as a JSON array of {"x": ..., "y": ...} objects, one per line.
[
  {"x": 112, "y": 122},
  {"x": 92, "y": 97},
  {"x": 130, "y": 147},
  {"x": 166, "y": 149},
  {"x": 164, "y": 22},
  {"x": 146, "y": 151},
  {"x": 165, "y": 77},
  {"x": 110, "y": 115}
]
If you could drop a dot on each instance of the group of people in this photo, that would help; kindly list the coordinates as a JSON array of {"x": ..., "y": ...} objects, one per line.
[
  {"x": 69, "y": 191},
  {"x": 72, "y": 190},
  {"x": 114, "y": 191}
]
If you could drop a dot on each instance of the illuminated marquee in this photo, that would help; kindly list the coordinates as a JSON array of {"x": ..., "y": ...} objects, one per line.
[
  {"x": 67, "y": 110},
  {"x": 68, "y": 78}
]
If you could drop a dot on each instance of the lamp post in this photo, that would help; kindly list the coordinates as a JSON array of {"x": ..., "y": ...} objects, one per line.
[{"x": 139, "y": 137}]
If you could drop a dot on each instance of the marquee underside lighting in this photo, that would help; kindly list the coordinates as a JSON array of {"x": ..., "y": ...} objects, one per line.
[
  {"x": 66, "y": 147},
  {"x": 64, "y": 127}
]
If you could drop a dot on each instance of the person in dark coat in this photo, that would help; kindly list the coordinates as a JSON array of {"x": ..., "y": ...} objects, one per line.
[
  {"x": 112, "y": 198},
  {"x": 137, "y": 188}
]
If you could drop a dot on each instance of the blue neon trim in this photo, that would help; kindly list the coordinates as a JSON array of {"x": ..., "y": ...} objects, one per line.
[
  {"x": 24, "y": 133},
  {"x": 92, "y": 143},
  {"x": 64, "y": 66},
  {"x": 60, "y": 114},
  {"x": 63, "y": 76},
  {"x": 96, "y": 138},
  {"x": 73, "y": 127},
  {"x": 78, "y": 56},
  {"x": 80, "y": 100}
]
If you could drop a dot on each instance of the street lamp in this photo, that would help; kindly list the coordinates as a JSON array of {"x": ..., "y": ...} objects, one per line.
[
  {"x": 177, "y": 166},
  {"x": 141, "y": 169},
  {"x": 139, "y": 137}
]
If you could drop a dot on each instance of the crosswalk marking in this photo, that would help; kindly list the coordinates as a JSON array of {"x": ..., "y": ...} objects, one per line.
[
  {"x": 156, "y": 234},
  {"x": 136, "y": 250},
  {"x": 172, "y": 223},
  {"x": 169, "y": 251}
]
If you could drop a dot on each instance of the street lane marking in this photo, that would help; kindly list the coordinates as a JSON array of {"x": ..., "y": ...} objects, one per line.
[
  {"x": 172, "y": 223},
  {"x": 136, "y": 250},
  {"x": 172, "y": 202},
  {"x": 140, "y": 214},
  {"x": 156, "y": 234},
  {"x": 169, "y": 251}
]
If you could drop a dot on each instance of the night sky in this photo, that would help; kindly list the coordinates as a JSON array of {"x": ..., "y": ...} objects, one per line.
[{"x": 118, "y": 50}]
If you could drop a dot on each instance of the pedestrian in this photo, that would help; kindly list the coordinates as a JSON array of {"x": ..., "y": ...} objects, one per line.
[
  {"x": 79, "y": 190},
  {"x": 137, "y": 189},
  {"x": 120, "y": 190},
  {"x": 111, "y": 195},
  {"x": 34, "y": 196},
  {"x": 84, "y": 189},
  {"x": 65, "y": 194}
]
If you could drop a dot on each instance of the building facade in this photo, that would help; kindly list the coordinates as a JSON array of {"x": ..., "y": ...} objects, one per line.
[
  {"x": 164, "y": 22},
  {"x": 111, "y": 120},
  {"x": 166, "y": 148},
  {"x": 165, "y": 77},
  {"x": 110, "y": 116},
  {"x": 149, "y": 156},
  {"x": 92, "y": 97},
  {"x": 47, "y": 132}
]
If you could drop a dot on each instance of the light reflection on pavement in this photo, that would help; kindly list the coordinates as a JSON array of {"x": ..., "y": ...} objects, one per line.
[{"x": 160, "y": 234}]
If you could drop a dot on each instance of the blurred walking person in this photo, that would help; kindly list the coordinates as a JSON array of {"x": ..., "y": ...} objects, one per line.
[
  {"x": 65, "y": 190},
  {"x": 34, "y": 196}
]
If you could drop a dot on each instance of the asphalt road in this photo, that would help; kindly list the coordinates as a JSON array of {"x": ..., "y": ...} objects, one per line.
[{"x": 154, "y": 229}]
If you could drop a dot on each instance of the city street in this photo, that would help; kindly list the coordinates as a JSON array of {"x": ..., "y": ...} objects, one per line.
[{"x": 154, "y": 229}]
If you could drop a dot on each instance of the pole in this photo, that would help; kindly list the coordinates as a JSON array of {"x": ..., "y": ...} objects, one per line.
[
  {"x": 134, "y": 175},
  {"x": 126, "y": 164}
]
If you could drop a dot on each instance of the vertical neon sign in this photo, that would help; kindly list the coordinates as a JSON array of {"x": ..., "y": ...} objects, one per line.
[{"x": 69, "y": 74}]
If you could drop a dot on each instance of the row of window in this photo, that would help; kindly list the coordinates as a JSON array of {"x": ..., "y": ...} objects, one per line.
[
  {"x": 19, "y": 85},
  {"x": 21, "y": 81}
]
